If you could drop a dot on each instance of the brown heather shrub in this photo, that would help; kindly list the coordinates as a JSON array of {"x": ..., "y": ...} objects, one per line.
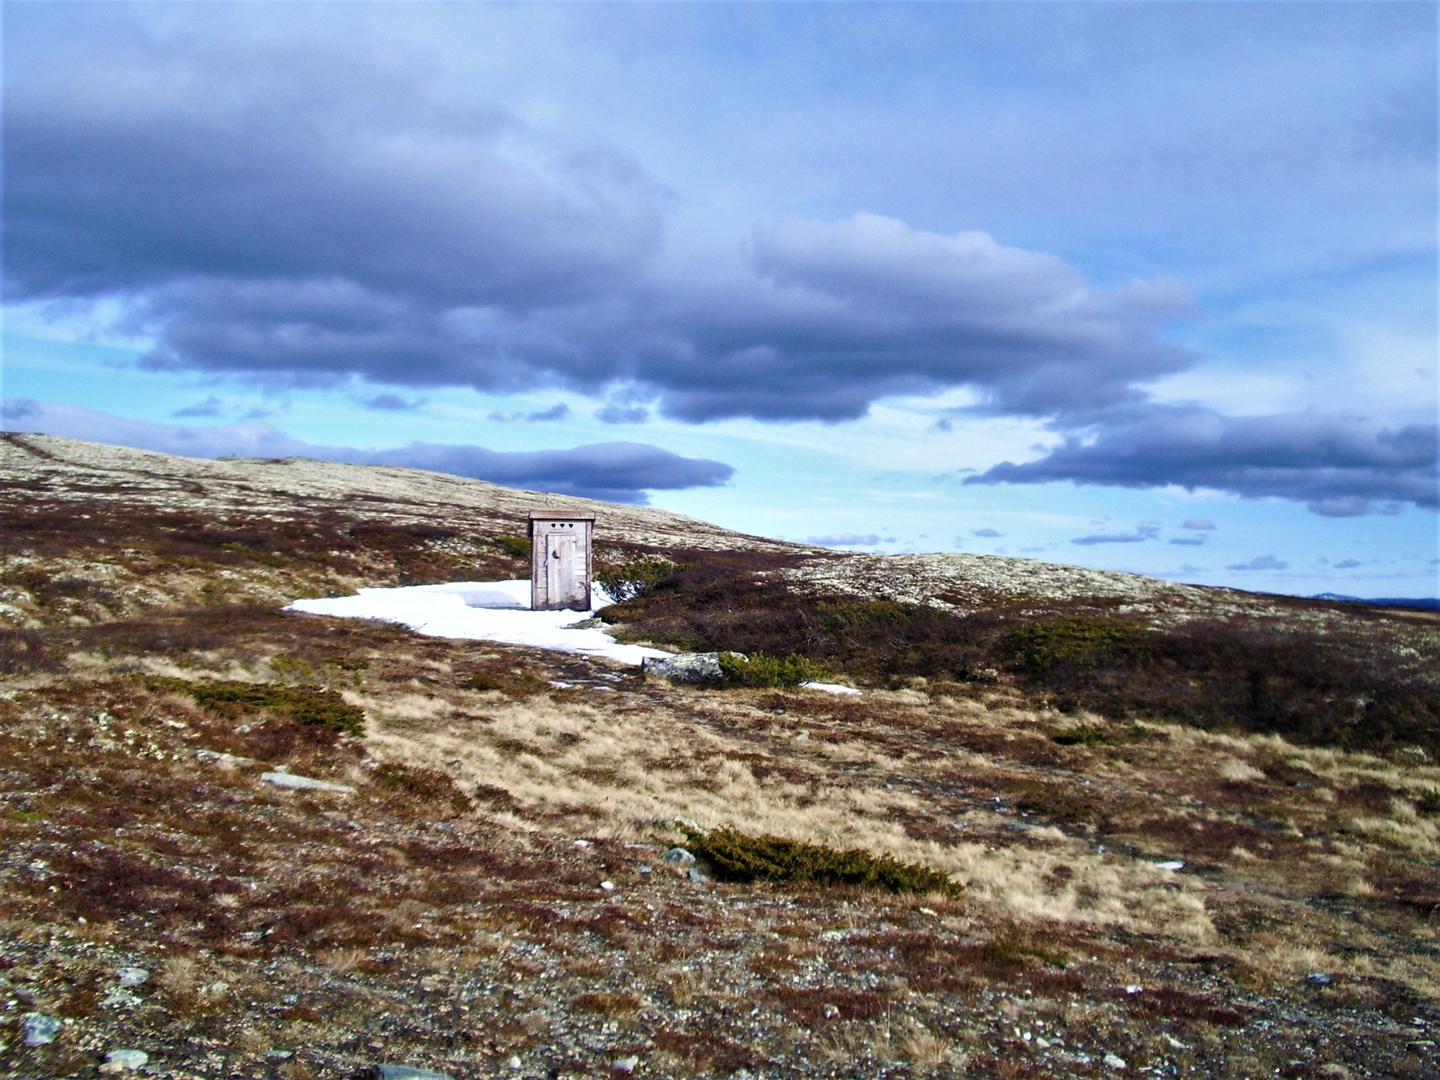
[
  {"x": 810, "y": 1005},
  {"x": 509, "y": 679},
  {"x": 606, "y": 1004},
  {"x": 417, "y": 784},
  {"x": 1367, "y": 687},
  {"x": 708, "y": 1051},
  {"x": 23, "y": 651}
]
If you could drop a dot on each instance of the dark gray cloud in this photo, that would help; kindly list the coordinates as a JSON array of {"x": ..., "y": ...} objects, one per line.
[
  {"x": 1142, "y": 532},
  {"x": 558, "y": 411},
  {"x": 1338, "y": 465},
  {"x": 1261, "y": 562},
  {"x": 305, "y": 211},
  {"x": 390, "y": 403},
  {"x": 211, "y": 406},
  {"x": 988, "y": 533},
  {"x": 845, "y": 540},
  {"x": 622, "y": 414},
  {"x": 615, "y": 472}
]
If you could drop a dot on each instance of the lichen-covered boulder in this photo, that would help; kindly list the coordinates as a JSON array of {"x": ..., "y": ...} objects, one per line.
[{"x": 693, "y": 667}]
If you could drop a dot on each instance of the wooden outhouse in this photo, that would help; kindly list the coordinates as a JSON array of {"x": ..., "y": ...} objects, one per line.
[{"x": 560, "y": 560}]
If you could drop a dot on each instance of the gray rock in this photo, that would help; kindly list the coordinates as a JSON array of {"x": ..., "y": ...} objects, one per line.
[
  {"x": 695, "y": 667},
  {"x": 132, "y": 976},
  {"x": 120, "y": 998},
  {"x": 697, "y": 877},
  {"x": 120, "y": 1060},
  {"x": 39, "y": 1029},
  {"x": 685, "y": 825},
  {"x": 405, "y": 1072},
  {"x": 305, "y": 783},
  {"x": 1319, "y": 978},
  {"x": 625, "y": 1064},
  {"x": 678, "y": 856}
]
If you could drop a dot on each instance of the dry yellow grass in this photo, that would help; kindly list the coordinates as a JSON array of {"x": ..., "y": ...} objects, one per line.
[{"x": 621, "y": 770}]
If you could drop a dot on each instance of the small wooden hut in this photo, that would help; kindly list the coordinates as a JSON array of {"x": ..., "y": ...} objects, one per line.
[{"x": 560, "y": 560}]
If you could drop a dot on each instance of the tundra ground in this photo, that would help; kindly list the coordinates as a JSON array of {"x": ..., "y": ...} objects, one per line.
[{"x": 488, "y": 898}]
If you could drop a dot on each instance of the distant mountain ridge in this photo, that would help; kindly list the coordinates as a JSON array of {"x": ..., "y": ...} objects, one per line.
[{"x": 1419, "y": 603}]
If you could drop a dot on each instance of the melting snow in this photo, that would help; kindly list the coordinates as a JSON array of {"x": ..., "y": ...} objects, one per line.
[
  {"x": 484, "y": 610},
  {"x": 494, "y": 611}
]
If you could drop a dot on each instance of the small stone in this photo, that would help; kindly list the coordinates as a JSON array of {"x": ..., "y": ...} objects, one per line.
[
  {"x": 608, "y": 886},
  {"x": 514, "y": 1063},
  {"x": 582, "y": 843},
  {"x": 39, "y": 1029},
  {"x": 1114, "y": 1061},
  {"x": 1319, "y": 978},
  {"x": 1171, "y": 864},
  {"x": 684, "y": 824},
  {"x": 120, "y": 998},
  {"x": 303, "y": 783},
  {"x": 625, "y": 1064},
  {"x": 132, "y": 976},
  {"x": 405, "y": 1072},
  {"x": 678, "y": 856},
  {"x": 697, "y": 877},
  {"x": 1134, "y": 988},
  {"x": 123, "y": 1060}
]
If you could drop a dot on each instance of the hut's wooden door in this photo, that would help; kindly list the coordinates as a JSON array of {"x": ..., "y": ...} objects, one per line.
[
  {"x": 560, "y": 561},
  {"x": 564, "y": 571}
]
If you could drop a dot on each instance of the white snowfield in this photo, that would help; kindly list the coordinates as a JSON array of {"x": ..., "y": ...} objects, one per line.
[
  {"x": 484, "y": 611},
  {"x": 493, "y": 611}
]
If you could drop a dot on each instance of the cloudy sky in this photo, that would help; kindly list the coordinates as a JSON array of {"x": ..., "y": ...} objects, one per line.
[{"x": 1149, "y": 286}]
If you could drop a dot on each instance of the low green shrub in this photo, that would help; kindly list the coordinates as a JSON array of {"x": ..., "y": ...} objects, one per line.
[
  {"x": 1076, "y": 640},
  {"x": 766, "y": 671},
  {"x": 302, "y": 704},
  {"x": 517, "y": 547},
  {"x": 631, "y": 580},
  {"x": 737, "y": 856},
  {"x": 1082, "y": 735}
]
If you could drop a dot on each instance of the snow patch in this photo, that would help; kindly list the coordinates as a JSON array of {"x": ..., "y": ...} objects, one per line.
[
  {"x": 829, "y": 688},
  {"x": 484, "y": 611}
]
